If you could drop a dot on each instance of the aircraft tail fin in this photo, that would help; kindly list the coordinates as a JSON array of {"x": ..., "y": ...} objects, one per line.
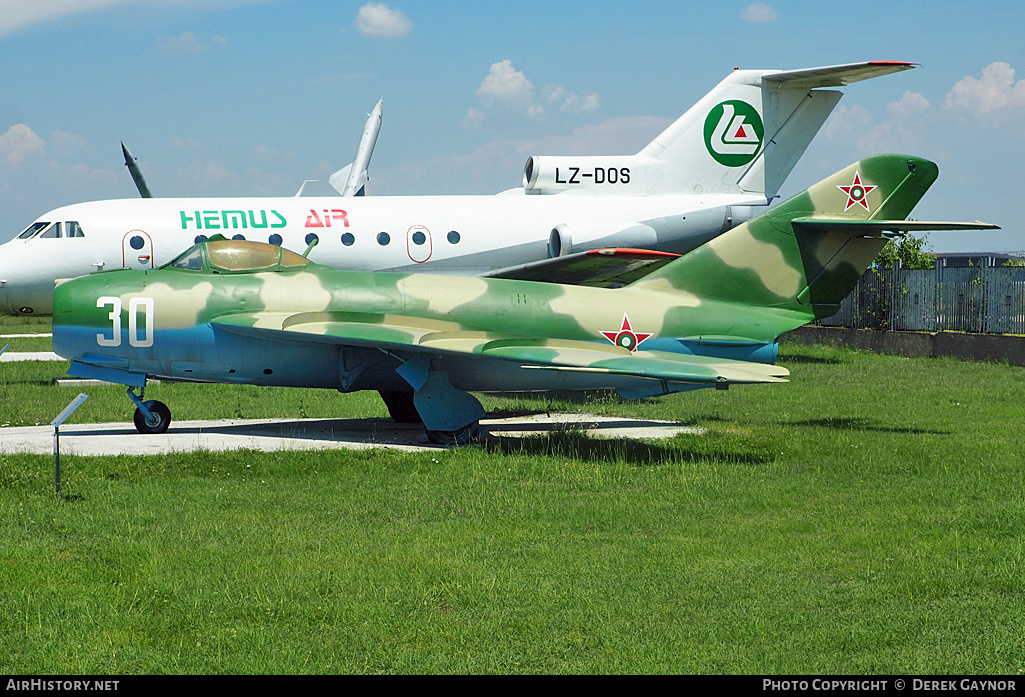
[
  {"x": 747, "y": 134},
  {"x": 805, "y": 255},
  {"x": 743, "y": 138}
]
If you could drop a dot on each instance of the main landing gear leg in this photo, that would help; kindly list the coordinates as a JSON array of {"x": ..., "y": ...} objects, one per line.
[
  {"x": 450, "y": 416},
  {"x": 400, "y": 407},
  {"x": 151, "y": 416}
]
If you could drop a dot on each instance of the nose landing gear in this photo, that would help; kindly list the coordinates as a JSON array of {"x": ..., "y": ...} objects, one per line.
[{"x": 151, "y": 416}]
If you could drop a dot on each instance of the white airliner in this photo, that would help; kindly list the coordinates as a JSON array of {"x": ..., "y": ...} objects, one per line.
[{"x": 730, "y": 152}]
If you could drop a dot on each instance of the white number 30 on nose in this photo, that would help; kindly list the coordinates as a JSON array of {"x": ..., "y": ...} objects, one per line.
[{"x": 134, "y": 306}]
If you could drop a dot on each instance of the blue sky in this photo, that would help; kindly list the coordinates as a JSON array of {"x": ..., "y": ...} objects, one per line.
[{"x": 251, "y": 97}]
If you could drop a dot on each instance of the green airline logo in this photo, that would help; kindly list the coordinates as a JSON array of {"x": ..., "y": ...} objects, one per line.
[
  {"x": 733, "y": 133},
  {"x": 223, "y": 220}
]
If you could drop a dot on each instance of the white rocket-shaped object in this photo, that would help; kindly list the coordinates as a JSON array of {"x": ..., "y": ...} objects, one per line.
[{"x": 352, "y": 180}]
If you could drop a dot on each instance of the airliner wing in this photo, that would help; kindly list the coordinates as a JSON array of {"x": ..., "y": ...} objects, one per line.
[{"x": 601, "y": 268}]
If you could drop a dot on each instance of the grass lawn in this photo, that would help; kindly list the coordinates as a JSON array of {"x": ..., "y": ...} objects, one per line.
[{"x": 867, "y": 517}]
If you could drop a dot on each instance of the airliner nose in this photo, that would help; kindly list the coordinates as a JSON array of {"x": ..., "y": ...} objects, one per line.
[
  {"x": 19, "y": 294},
  {"x": 5, "y": 306}
]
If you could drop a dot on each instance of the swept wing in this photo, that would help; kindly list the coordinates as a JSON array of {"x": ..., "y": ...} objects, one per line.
[{"x": 423, "y": 336}]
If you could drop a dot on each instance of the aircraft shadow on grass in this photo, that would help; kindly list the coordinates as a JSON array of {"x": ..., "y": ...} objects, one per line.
[
  {"x": 859, "y": 423},
  {"x": 809, "y": 360},
  {"x": 566, "y": 440},
  {"x": 582, "y": 446}
]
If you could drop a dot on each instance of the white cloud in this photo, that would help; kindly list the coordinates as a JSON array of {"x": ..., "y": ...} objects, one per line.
[
  {"x": 29, "y": 175},
  {"x": 994, "y": 90},
  {"x": 506, "y": 87},
  {"x": 856, "y": 132},
  {"x": 576, "y": 104},
  {"x": 65, "y": 144},
  {"x": 190, "y": 42},
  {"x": 570, "y": 101},
  {"x": 19, "y": 144},
  {"x": 506, "y": 84},
  {"x": 16, "y": 15},
  {"x": 552, "y": 93},
  {"x": 497, "y": 165},
  {"x": 759, "y": 13},
  {"x": 377, "y": 19},
  {"x": 910, "y": 104},
  {"x": 200, "y": 175},
  {"x": 262, "y": 153},
  {"x": 474, "y": 117},
  {"x": 81, "y": 177},
  {"x": 846, "y": 121}
]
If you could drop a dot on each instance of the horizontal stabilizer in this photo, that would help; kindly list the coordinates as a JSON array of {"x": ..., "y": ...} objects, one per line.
[
  {"x": 880, "y": 228},
  {"x": 837, "y": 75},
  {"x": 600, "y": 268}
]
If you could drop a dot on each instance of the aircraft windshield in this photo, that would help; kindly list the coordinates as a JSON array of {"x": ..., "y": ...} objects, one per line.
[
  {"x": 239, "y": 255},
  {"x": 71, "y": 229},
  {"x": 32, "y": 230},
  {"x": 191, "y": 260}
]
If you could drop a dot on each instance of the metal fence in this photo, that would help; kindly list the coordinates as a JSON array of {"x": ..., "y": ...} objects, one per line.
[{"x": 962, "y": 299}]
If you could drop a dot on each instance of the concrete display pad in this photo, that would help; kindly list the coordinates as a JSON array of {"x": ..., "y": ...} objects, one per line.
[
  {"x": 307, "y": 434},
  {"x": 19, "y": 356}
]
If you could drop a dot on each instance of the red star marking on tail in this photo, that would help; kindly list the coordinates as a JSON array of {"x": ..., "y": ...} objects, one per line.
[
  {"x": 626, "y": 337},
  {"x": 857, "y": 193}
]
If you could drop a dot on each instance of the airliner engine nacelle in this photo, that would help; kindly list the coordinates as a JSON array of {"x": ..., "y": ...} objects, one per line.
[
  {"x": 736, "y": 215},
  {"x": 568, "y": 239},
  {"x": 622, "y": 174}
]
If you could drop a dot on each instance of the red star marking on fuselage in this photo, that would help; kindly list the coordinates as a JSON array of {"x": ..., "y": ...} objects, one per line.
[
  {"x": 857, "y": 193},
  {"x": 626, "y": 337}
]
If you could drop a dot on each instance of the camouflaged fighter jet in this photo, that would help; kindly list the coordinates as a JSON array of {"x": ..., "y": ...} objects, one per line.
[{"x": 642, "y": 323}]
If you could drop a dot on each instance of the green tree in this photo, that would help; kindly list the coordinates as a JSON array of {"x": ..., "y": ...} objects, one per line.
[{"x": 911, "y": 251}]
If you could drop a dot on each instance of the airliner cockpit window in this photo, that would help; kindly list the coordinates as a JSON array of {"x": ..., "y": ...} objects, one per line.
[
  {"x": 73, "y": 229},
  {"x": 52, "y": 232},
  {"x": 32, "y": 230}
]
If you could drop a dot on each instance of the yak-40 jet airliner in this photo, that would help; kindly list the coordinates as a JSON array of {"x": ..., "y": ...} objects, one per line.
[{"x": 707, "y": 172}]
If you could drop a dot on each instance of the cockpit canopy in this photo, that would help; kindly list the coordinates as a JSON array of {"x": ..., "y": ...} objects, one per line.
[{"x": 237, "y": 256}]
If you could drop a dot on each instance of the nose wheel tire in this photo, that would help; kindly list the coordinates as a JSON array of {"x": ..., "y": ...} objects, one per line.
[{"x": 160, "y": 421}]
